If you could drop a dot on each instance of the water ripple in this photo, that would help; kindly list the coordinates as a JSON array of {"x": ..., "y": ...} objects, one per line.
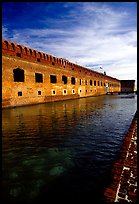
[{"x": 67, "y": 146}]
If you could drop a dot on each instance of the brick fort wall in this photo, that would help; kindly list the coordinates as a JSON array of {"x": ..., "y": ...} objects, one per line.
[{"x": 32, "y": 77}]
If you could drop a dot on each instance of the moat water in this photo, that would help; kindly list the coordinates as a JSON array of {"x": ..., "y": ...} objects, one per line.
[{"x": 63, "y": 149}]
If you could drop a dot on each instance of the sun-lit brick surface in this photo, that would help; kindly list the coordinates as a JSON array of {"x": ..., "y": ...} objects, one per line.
[
  {"x": 26, "y": 63},
  {"x": 124, "y": 184}
]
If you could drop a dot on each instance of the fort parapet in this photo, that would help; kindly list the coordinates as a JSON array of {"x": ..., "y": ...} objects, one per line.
[{"x": 31, "y": 77}]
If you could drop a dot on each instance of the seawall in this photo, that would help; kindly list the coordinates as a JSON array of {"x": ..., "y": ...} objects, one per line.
[{"x": 123, "y": 186}]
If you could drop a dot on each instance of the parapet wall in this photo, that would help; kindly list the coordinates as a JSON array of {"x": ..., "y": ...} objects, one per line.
[{"x": 14, "y": 49}]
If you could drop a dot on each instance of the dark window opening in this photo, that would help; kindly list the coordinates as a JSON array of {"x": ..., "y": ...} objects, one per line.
[
  {"x": 39, "y": 92},
  {"x": 30, "y": 51},
  {"x": 38, "y": 60},
  {"x": 72, "y": 68},
  {"x": 98, "y": 83},
  {"x": 86, "y": 90},
  {"x": 94, "y": 83},
  {"x": 38, "y": 78},
  {"x": 54, "y": 92},
  {"x": 34, "y": 53},
  {"x": 101, "y": 83},
  {"x": 53, "y": 63},
  {"x": 53, "y": 79},
  {"x": 13, "y": 46},
  {"x": 85, "y": 82},
  {"x": 64, "y": 79},
  {"x": 18, "y": 54},
  {"x": 90, "y": 82},
  {"x": 18, "y": 75},
  {"x": 72, "y": 80},
  {"x": 65, "y": 91},
  {"x": 80, "y": 91},
  {"x": 6, "y": 43},
  {"x": 19, "y": 47},
  {"x": 73, "y": 91},
  {"x": 25, "y": 50},
  {"x": 80, "y": 81},
  {"x": 19, "y": 93},
  {"x": 40, "y": 54}
]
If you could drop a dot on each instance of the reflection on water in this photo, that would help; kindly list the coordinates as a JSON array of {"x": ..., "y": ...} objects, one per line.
[{"x": 62, "y": 148}]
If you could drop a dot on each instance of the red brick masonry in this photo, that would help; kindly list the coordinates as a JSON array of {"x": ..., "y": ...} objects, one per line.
[{"x": 124, "y": 182}]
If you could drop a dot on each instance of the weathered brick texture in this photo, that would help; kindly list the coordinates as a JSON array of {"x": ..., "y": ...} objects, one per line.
[{"x": 17, "y": 92}]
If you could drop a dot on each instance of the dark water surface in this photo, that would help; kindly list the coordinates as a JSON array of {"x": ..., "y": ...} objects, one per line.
[{"x": 63, "y": 150}]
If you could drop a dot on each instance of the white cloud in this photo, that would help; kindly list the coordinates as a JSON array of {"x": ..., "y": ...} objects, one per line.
[{"x": 98, "y": 37}]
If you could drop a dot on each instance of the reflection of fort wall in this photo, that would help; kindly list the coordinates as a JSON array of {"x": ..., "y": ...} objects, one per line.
[
  {"x": 28, "y": 88},
  {"x": 58, "y": 116}
]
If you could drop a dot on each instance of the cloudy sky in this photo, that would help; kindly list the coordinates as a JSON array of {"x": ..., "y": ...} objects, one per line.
[{"x": 91, "y": 34}]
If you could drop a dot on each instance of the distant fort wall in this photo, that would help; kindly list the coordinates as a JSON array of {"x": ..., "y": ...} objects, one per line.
[{"x": 31, "y": 77}]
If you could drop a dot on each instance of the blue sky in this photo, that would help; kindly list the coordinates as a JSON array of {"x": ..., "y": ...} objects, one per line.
[{"x": 91, "y": 34}]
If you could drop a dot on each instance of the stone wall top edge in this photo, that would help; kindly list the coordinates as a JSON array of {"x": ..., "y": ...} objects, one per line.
[{"x": 9, "y": 44}]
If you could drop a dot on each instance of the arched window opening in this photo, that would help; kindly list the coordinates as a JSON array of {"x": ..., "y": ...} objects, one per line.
[
  {"x": 38, "y": 77},
  {"x": 64, "y": 79},
  {"x": 94, "y": 83},
  {"x": 25, "y": 50},
  {"x": 20, "y": 48},
  {"x": 53, "y": 79},
  {"x": 90, "y": 82},
  {"x": 34, "y": 53},
  {"x": 6, "y": 44},
  {"x": 72, "y": 80},
  {"x": 18, "y": 75},
  {"x": 85, "y": 82},
  {"x": 13, "y": 46},
  {"x": 40, "y": 54},
  {"x": 30, "y": 51}
]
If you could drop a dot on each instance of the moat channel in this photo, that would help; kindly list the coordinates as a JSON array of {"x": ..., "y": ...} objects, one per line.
[{"x": 63, "y": 150}]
